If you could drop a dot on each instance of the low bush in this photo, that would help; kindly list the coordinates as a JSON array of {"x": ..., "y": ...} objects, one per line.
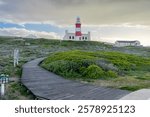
[
  {"x": 111, "y": 74},
  {"x": 94, "y": 72},
  {"x": 64, "y": 68}
]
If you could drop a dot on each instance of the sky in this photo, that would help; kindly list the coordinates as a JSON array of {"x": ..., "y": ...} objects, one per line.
[{"x": 108, "y": 20}]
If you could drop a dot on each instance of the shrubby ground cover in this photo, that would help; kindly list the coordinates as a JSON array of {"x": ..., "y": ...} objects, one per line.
[{"x": 95, "y": 65}]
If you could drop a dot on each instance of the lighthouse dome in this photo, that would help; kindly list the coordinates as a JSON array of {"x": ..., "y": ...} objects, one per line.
[{"x": 78, "y": 19}]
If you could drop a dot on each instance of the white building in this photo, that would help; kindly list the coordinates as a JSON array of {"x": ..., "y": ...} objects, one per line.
[
  {"x": 127, "y": 43},
  {"x": 78, "y": 35}
]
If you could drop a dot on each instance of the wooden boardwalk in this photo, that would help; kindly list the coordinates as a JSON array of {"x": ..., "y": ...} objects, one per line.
[{"x": 46, "y": 85}]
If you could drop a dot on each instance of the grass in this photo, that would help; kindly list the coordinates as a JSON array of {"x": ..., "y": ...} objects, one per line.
[
  {"x": 124, "y": 82},
  {"x": 18, "y": 91}
]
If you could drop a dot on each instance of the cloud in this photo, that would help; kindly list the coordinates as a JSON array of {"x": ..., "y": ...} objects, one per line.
[
  {"x": 2, "y": 2},
  {"x": 64, "y": 11},
  {"x": 23, "y": 33}
]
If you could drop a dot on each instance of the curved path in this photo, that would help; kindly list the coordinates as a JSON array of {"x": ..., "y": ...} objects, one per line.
[{"x": 46, "y": 85}]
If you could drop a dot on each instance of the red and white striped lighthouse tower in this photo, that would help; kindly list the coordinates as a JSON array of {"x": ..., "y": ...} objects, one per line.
[{"x": 78, "y": 33}]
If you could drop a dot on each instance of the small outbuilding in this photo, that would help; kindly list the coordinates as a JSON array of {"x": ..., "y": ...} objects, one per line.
[{"x": 127, "y": 43}]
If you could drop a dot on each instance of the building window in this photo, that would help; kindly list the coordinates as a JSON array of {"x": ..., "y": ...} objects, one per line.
[
  {"x": 69, "y": 37},
  {"x": 85, "y": 38},
  {"x": 72, "y": 37}
]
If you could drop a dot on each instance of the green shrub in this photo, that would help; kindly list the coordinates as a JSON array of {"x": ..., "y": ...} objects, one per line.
[
  {"x": 87, "y": 62},
  {"x": 82, "y": 71},
  {"x": 94, "y": 72},
  {"x": 111, "y": 74},
  {"x": 64, "y": 68}
]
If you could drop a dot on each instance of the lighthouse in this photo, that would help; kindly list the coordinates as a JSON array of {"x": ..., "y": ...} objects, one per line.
[{"x": 78, "y": 33}]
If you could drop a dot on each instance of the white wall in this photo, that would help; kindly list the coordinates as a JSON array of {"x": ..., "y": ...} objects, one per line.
[{"x": 123, "y": 44}]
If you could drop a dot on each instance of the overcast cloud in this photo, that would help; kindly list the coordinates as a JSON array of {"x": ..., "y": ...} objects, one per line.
[{"x": 63, "y": 11}]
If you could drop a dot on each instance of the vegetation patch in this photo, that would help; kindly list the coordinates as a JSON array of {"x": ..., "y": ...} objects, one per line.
[
  {"x": 131, "y": 88},
  {"x": 15, "y": 90},
  {"x": 95, "y": 65},
  {"x": 94, "y": 72}
]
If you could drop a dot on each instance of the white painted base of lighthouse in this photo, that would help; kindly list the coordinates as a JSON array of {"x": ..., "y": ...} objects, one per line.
[{"x": 71, "y": 36}]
